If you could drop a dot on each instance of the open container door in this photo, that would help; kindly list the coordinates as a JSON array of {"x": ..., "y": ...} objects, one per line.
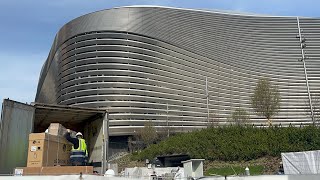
[
  {"x": 18, "y": 120},
  {"x": 89, "y": 121},
  {"x": 15, "y": 126}
]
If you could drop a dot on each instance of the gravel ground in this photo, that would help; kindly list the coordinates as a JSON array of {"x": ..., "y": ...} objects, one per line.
[{"x": 270, "y": 164}]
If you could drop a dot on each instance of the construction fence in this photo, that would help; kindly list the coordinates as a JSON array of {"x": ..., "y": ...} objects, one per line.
[{"x": 97, "y": 177}]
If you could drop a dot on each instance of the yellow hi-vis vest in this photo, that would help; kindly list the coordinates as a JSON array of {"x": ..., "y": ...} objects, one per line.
[{"x": 81, "y": 151}]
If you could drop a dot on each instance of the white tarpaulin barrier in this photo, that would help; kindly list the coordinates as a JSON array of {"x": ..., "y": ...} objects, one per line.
[
  {"x": 94, "y": 177},
  {"x": 306, "y": 162},
  {"x": 146, "y": 173},
  {"x": 277, "y": 177},
  {"x": 63, "y": 177}
]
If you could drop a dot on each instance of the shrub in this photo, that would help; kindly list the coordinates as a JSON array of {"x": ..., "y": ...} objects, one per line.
[{"x": 236, "y": 143}]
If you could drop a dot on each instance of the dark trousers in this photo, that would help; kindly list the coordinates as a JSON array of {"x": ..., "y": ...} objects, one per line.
[{"x": 78, "y": 161}]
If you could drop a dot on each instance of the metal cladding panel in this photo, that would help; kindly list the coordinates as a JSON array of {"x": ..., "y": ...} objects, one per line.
[
  {"x": 15, "y": 126},
  {"x": 151, "y": 63}
]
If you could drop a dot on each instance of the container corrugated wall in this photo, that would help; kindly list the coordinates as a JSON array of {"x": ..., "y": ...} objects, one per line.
[{"x": 15, "y": 126}]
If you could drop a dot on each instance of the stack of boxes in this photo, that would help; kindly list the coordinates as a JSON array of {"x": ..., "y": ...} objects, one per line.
[
  {"x": 49, "y": 153},
  {"x": 57, "y": 129},
  {"x": 48, "y": 150}
]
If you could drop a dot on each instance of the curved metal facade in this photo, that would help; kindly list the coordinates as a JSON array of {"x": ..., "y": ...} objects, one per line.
[{"x": 151, "y": 63}]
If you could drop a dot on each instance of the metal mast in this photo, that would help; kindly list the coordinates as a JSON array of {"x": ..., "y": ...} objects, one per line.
[
  {"x": 302, "y": 46},
  {"x": 207, "y": 95}
]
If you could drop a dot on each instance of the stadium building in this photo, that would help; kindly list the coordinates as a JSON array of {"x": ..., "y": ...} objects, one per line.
[{"x": 182, "y": 68}]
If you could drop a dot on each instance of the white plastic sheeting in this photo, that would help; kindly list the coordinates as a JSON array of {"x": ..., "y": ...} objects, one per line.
[
  {"x": 146, "y": 173},
  {"x": 95, "y": 177},
  {"x": 277, "y": 177},
  {"x": 63, "y": 177},
  {"x": 306, "y": 162}
]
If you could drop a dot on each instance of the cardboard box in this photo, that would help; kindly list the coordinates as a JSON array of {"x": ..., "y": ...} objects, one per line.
[
  {"x": 48, "y": 150},
  {"x": 59, "y": 130},
  {"x": 55, "y": 170}
]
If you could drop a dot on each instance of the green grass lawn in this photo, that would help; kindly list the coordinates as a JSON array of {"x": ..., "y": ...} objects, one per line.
[{"x": 234, "y": 170}]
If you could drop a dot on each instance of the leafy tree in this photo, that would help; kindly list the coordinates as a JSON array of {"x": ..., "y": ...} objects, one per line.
[
  {"x": 240, "y": 116},
  {"x": 148, "y": 134},
  {"x": 266, "y": 99}
]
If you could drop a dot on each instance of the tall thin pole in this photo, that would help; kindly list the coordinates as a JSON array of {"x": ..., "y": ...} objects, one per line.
[
  {"x": 105, "y": 145},
  {"x": 107, "y": 139},
  {"x": 168, "y": 129},
  {"x": 207, "y": 95},
  {"x": 103, "y": 153},
  {"x": 305, "y": 71}
]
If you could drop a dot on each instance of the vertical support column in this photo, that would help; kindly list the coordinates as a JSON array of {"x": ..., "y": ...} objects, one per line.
[
  {"x": 207, "y": 95},
  {"x": 302, "y": 46},
  {"x": 105, "y": 144},
  {"x": 168, "y": 129}
]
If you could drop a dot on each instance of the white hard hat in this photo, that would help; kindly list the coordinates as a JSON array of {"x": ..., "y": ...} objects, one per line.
[{"x": 79, "y": 134}]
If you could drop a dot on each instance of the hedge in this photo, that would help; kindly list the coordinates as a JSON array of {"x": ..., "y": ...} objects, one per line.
[{"x": 236, "y": 143}]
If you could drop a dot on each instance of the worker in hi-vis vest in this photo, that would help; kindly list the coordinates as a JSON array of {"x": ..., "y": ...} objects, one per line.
[{"x": 79, "y": 152}]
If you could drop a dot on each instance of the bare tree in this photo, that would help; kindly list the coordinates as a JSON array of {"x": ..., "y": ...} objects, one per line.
[
  {"x": 135, "y": 142},
  {"x": 213, "y": 120},
  {"x": 240, "y": 116},
  {"x": 266, "y": 99},
  {"x": 164, "y": 132},
  {"x": 148, "y": 134}
]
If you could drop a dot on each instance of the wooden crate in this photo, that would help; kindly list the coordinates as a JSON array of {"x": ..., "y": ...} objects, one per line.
[{"x": 55, "y": 170}]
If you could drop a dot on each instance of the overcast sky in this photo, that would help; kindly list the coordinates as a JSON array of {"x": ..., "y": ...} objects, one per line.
[{"x": 28, "y": 28}]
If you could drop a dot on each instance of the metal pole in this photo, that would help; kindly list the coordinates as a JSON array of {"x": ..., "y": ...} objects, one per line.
[
  {"x": 107, "y": 139},
  {"x": 230, "y": 86},
  {"x": 103, "y": 149},
  {"x": 168, "y": 121},
  {"x": 105, "y": 144},
  {"x": 305, "y": 71},
  {"x": 207, "y": 95}
]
